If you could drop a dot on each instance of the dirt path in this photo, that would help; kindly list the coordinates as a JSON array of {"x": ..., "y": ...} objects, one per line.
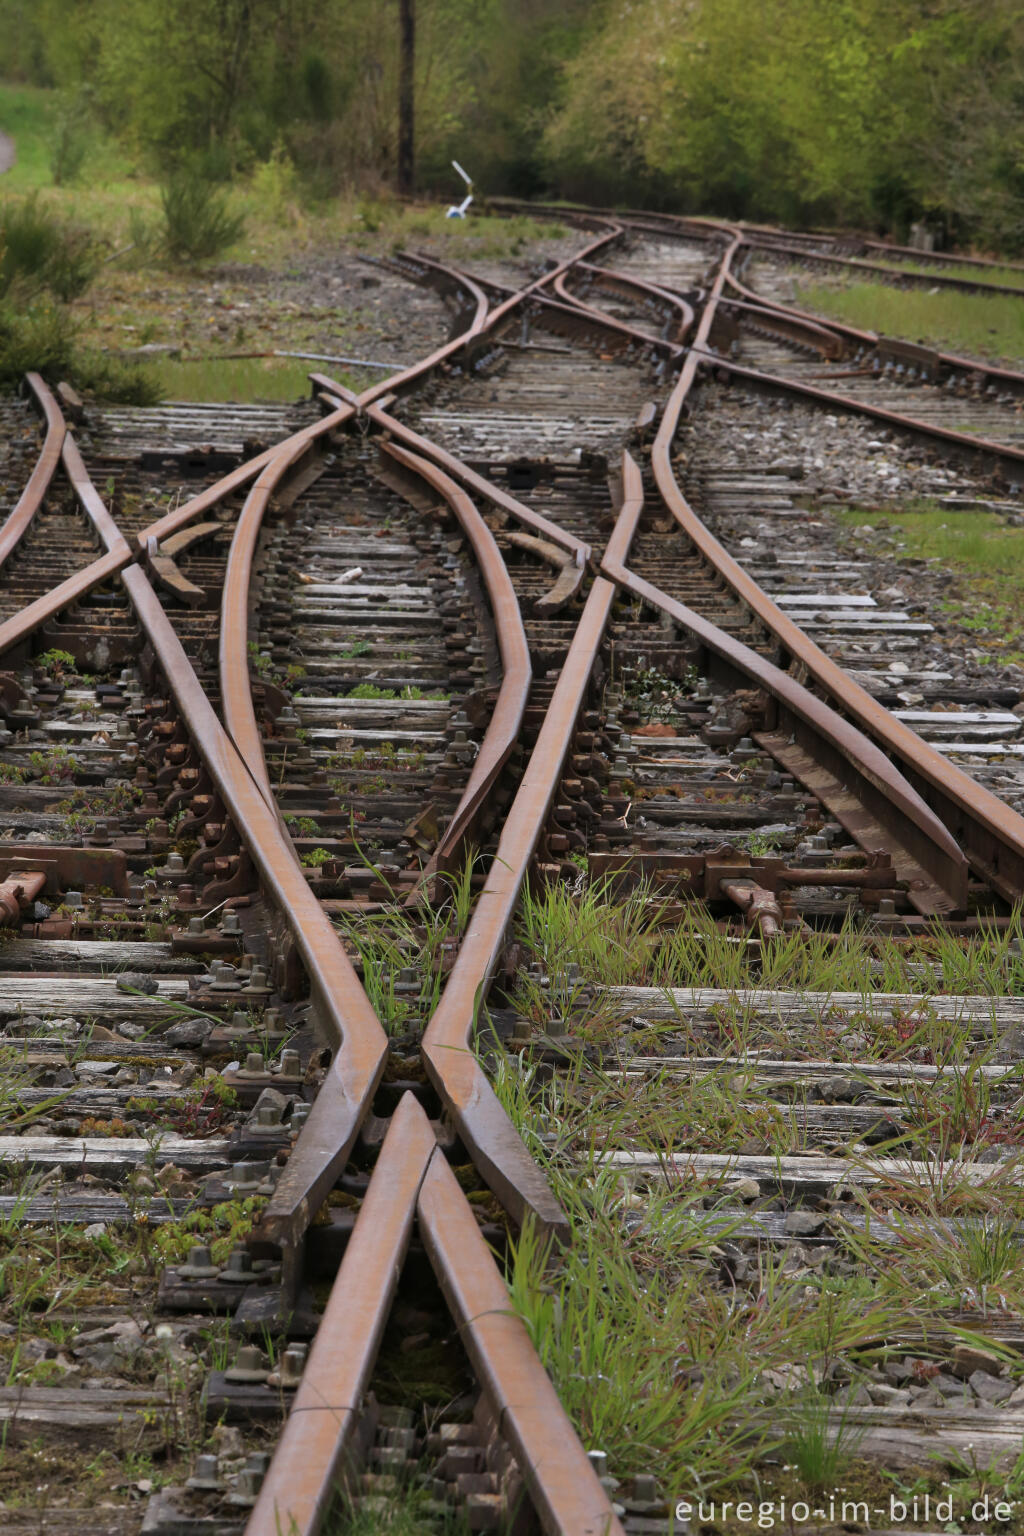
[{"x": 8, "y": 153}]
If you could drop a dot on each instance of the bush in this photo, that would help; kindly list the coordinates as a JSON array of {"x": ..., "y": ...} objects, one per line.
[
  {"x": 276, "y": 186},
  {"x": 38, "y": 248},
  {"x": 70, "y": 140},
  {"x": 112, "y": 379},
  {"x": 197, "y": 221},
  {"x": 39, "y": 336}
]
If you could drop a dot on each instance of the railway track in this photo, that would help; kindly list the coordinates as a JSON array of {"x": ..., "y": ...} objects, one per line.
[{"x": 313, "y": 716}]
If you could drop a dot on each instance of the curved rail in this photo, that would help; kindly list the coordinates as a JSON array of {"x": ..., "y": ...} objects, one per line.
[
  {"x": 1004, "y": 458},
  {"x": 766, "y": 234},
  {"x": 306, "y": 1165},
  {"x": 507, "y": 716},
  {"x": 988, "y": 831},
  {"x": 1007, "y": 378},
  {"x": 342, "y": 1005},
  {"x": 894, "y": 274},
  {"x": 769, "y": 232},
  {"x": 804, "y": 330},
  {"x": 622, "y": 283},
  {"x": 15, "y": 629},
  {"x": 563, "y": 1484},
  {"x": 233, "y": 651},
  {"x": 412, "y": 1184},
  {"x": 576, "y": 551},
  {"x": 91, "y": 576},
  {"x": 811, "y": 736},
  {"x": 444, "y": 279},
  {"x": 447, "y": 1049},
  {"x": 38, "y": 484},
  {"x": 481, "y": 323}
]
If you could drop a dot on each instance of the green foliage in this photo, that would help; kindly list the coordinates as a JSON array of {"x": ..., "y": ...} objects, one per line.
[
  {"x": 39, "y": 250},
  {"x": 112, "y": 379},
  {"x": 198, "y": 224},
  {"x": 826, "y": 110},
  {"x": 316, "y": 858},
  {"x": 276, "y": 185},
  {"x": 855, "y": 111},
  {"x": 972, "y": 323},
  {"x": 39, "y": 336},
  {"x": 56, "y": 662},
  {"x": 984, "y": 554},
  {"x": 71, "y": 139},
  {"x": 42, "y": 336}
]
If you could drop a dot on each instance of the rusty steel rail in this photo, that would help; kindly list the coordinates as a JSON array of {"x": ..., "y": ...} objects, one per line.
[
  {"x": 410, "y": 475},
  {"x": 447, "y": 1043},
  {"x": 575, "y": 313},
  {"x": 507, "y": 716},
  {"x": 853, "y": 778},
  {"x": 17, "y": 628},
  {"x": 612, "y": 231},
  {"x": 563, "y": 1483},
  {"x": 767, "y": 233},
  {"x": 1007, "y": 378},
  {"x": 20, "y": 625},
  {"x": 576, "y": 553},
  {"x": 894, "y": 274},
  {"x": 415, "y": 265},
  {"x": 233, "y": 653},
  {"x": 1007, "y": 461},
  {"x": 988, "y": 831},
  {"x": 804, "y": 330},
  {"x": 626, "y": 285},
  {"x": 17, "y": 890},
  {"x": 300, "y": 1482},
  {"x": 483, "y": 321},
  {"x": 412, "y": 1183},
  {"x": 31, "y": 498},
  {"x": 341, "y": 1004},
  {"x": 568, "y": 1496}
]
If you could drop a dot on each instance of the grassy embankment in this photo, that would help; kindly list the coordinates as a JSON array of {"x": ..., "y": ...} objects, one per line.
[
  {"x": 984, "y": 553},
  {"x": 138, "y": 297},
  {"x": 976, "y": 325}
]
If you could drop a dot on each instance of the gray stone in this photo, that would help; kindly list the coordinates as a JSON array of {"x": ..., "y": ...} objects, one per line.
[
  {"x": 803, "y": 1223},
  {"x": 990, "y": 1389},
  {"x": 890, "y": 1396}
]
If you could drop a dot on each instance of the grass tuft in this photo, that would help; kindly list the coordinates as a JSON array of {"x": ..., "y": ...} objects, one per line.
[
  {"x": 985, "y": 553},
  {"x": 198, "y": 223},
  {"x": 40, "y": 250}
]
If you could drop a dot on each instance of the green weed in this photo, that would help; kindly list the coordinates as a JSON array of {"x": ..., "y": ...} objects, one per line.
[
  {"x": 977, "y": 324},
  {"x": 198, "y": 223}
]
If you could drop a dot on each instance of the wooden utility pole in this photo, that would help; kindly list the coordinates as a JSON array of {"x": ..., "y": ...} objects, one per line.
[{"x": 406, "y": 96}]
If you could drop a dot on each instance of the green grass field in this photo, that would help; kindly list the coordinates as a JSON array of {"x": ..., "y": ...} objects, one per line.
[
  {"x": 27, "y": 115},
  {"x": 975, "y": 324}
]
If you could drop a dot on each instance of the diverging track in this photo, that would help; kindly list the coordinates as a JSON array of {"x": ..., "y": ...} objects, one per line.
[{"x": 283, "y": 766}]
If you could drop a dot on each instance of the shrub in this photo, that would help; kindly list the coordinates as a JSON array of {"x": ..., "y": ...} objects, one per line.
[
  {"x": 197, "y": 221},
  {"x": 41, "y": 336},
  {"x": 38, "y": 336},
  {"x": 70, "y": 141},
  {"x": 37, "y": 247},
  {"x": 276, "y": 185},
  {"x": 111, "y": 379}
]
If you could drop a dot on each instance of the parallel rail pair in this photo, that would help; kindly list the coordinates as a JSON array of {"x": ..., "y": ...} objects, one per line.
[{"x": 845, "y": 734}]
